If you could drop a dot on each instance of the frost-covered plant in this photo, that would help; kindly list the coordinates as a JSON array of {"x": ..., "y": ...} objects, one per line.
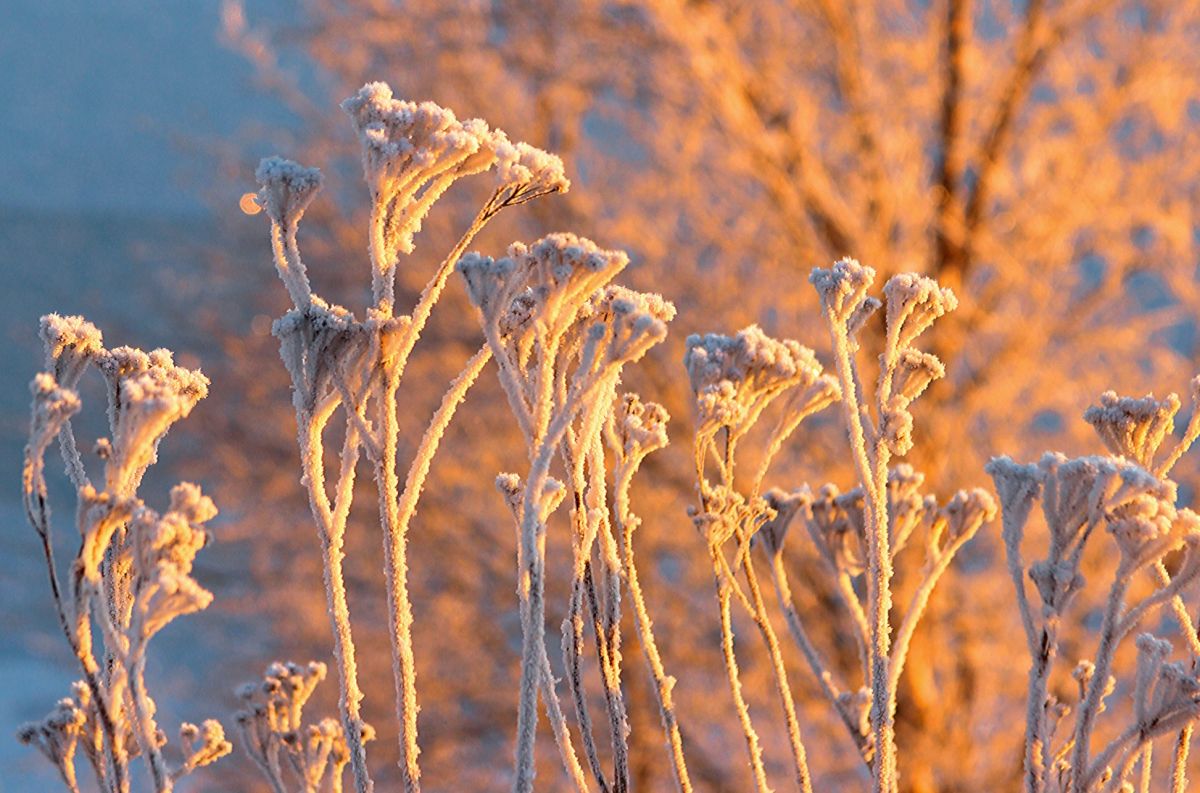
[
  {"x": 857, "y": 534},
  {"x": 411, "y": 154},
  {"x": 132, "y": 574},
  {"x": 734, "y": 379},
  {"x": 1134, "y": 502},
  {"x": 561, "y": 334},
  {"x": 878, "y": 430},
  {"x": 273, "y": 731}
]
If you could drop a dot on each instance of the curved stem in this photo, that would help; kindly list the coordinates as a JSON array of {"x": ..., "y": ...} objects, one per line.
[
  {"x": 1091, "y": 704},
  {"x": 663, "y": 684},
  {"x": 763, "y": 621},
  {"x": 400, "y": 616},
  {"x": 735, "y": 683},
  {"x": 331, "y": 528},
  {"x": 820, "y": 671},
  {"x": 1179, "y": 763}
]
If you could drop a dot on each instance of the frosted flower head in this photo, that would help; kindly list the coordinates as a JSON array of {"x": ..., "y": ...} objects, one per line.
[
  {"x": 1165, "y": 694},
  {"x": 907, "y": 507},
  {"x": 784, "y": 507},
  {"x": 57, "y": 735},
  {"x": 405, "y": 144},
  {"x": 175, "y": 537},
  {"x": 286, "y": 188},
  {"x": 1133, "y": 428},
  {"x": 914, "y": 372},
  {"x": 622, "y": 324},
  {"x": 527, "y": 170},
  {"x": 150, "y": 402},
  {"x": 53, "y": 407},
  {"x": 734, "y": 377},
  {"x": 841, "y": 517},
  {"x": 412, "y": 152},
  {"x": 563, "y": 270},
  {"x": 550, "y": 281},
  {"x": 896, "y": 426},
  {"x": 843, "y": 290},
  {"x": 913, "y": 303},
  {"x": 1057, "y": 582},
  {"x": 813, "y": 396},
  {"x": 202, "y": 745},
  {"x": 509, "y": 486},
  {"x": 1145, "y": 528},
  {"x": 827, "y": 516},
  {"x": 1070, "y": 500},
  {"x": 275, "y": 706},
  {"x": 638, "y": 428},
  {"x": 961, "y": 518},
  {"x": 1017, "y": 485},
  {"x": 487, "y": 282},
  {"x": 316, "y": 343},
  {"x": 165, "y": 594},
  {"x": 71, "y": 343}
]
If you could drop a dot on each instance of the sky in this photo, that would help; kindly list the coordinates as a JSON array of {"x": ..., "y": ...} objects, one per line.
[{"x": 100, "y": 102}]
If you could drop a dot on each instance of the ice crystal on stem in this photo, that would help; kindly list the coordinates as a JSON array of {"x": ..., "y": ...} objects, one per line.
[{"x": 278, "y": 740}]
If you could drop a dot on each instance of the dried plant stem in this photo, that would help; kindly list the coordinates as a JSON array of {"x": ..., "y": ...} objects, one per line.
[
  {"x": 735, "y": 682},
  {"x": 395, "y": 549},
  {"x": 608, "y": 655},
  {"x": 1090, "y": 706},
  {"x": 1147, "y": 760},
  {"x": 38, "y": 513},
  {"x": 763, "y": 621},
  {"x": 572, "y": 655},
  {"x": 331, "y": 525},
  {"x": 820, "y": 671},
  {"x": 663, "y": 684},
  {"x": 383, "y": 261},
  {"x": 422, "y": 459},
  {"x": 436, "y": 285},
  {"x": 1178, "y": 608},
  {"x": 916, "y": 608},
  {"x": 1179, "y": 762},
  {"x": 1037, "y": 743},
  {"x": 531, "y": 584},
  {"x": 147, "y": 730},
  {"x": 872, "y": 471},
  {"x": 608, "y": 633},
  {"x": 558, "y": 725}
]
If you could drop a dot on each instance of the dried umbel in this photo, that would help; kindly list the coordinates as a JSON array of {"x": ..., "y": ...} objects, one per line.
[
  {"x": 132, "y": 574},
  {"x": 734, "y": 381},
  {"x": 883, "y": 513},
  {"x": 734, "y": 378},
  {"x": 278, "y": 740},
  {"x": 1137, "y": 428}
]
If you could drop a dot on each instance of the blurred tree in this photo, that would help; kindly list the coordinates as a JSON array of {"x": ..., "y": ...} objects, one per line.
[{"x": 1039, "y": 157}]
